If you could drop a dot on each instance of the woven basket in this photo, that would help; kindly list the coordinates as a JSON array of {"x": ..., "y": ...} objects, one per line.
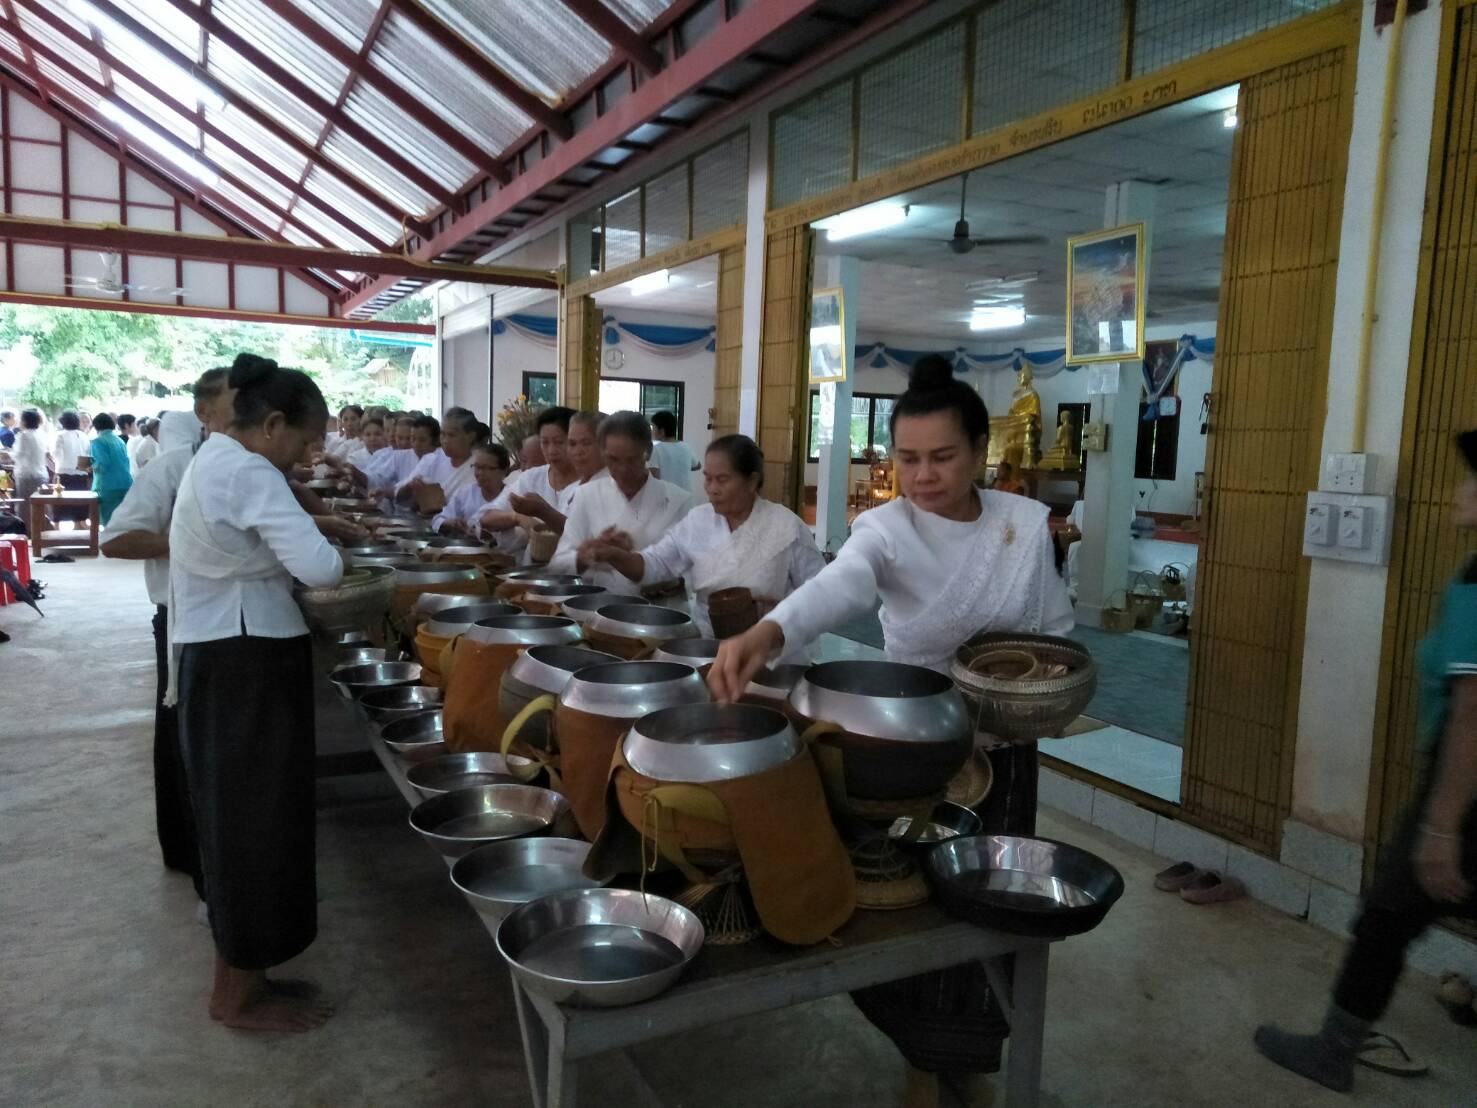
[{"x": 1024, "y": 706}]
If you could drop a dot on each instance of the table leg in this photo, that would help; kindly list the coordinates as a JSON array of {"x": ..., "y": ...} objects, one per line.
[
  {"x": 535, "y": 1045},
  {"x": 37, "y": 514},
  {"x": 1028, "y": 1009},
  {"x": 563, "y": 1086},
  {"x": 94, "y": 519}
]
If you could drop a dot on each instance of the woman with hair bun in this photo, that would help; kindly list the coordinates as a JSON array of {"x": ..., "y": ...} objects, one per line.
[
  {"x": 947, "y": 560},
  {"x": 241, "y": 673}
]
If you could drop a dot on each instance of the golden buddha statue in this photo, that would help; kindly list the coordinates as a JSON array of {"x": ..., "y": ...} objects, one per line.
[
  {"x": 1019, "y": 430},
  {"x": 1066, "y": 451}
]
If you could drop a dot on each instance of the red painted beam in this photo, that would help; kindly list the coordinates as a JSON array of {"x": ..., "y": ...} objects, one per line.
[
  {"x": 360, "y": 69},
  {"x": 614, "y": 30},
  {"x": 527, "y": 102},
  {"x": 731, "y": 42},
  {"x": 219, "y": 211},
  {"x": 192, "y": 113},
  {"x": 167, "y": 244},
  {"x": 284, "y": 77},
  {"x": 263, "y": 119},
  {"x": 101, "y": 304}
]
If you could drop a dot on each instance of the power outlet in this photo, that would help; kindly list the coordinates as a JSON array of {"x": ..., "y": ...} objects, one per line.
[
  {"x": 1318, "y": 527},
  {"x": 1348, "y": 473},
  {"x": 1348, "y": 528},
  {"x": 1095, "y": 437}
]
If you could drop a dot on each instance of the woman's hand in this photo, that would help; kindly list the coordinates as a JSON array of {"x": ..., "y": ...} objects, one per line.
[
  {"x": 740, "y": 658},
  {"x": 530, "y": 504},
  {"x": 617, "y": 539},
  {"x": 337, "y": 527},
  {"x": 1438, "y": 866}
]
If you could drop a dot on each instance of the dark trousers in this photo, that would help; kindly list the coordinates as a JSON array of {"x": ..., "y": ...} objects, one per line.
[
  {"x": 173, "y": 814},
  {"x": 1395, "y": 914}
]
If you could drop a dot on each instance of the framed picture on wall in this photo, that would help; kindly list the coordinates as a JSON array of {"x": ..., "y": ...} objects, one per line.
[
  {"x": 1105, "y": 295},
  {"x": 828, "y": 360}
]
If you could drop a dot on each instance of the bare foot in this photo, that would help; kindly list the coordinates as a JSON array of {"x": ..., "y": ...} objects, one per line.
[
  {"x": 920, "y": 1089},
  {"x": 278, "y": 1013}
]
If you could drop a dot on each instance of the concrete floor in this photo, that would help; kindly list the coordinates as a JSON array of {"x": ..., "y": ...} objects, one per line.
[{"x": 105, "y": 972}]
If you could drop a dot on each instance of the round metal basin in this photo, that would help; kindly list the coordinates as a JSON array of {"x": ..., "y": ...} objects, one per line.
[
  {"x": 502, "y": 876},
  {"x": 646, "y": 622},
  {"x": 354, "y": 681},
  {"x": 630, "y": 690},
  {"x": 417, "y": 738},
  {"x": 387, "y": 705},
  {"x": 524, "y": 630},
  {"x": 709, "y": 742},
  {"x": 691, "y": 652},
  {"x": 582, "y": 609},
  {"x": 450, "y": 772},
  {"x": 456, "y": 822}
]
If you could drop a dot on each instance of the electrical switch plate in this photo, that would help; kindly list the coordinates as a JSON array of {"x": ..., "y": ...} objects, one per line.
[
  {"x": 1318, "y": 528},
  {"x": 1348, "y": 528},
  {"x": 1351, "y": 473},
  {"x": 1095, "y": 437}
]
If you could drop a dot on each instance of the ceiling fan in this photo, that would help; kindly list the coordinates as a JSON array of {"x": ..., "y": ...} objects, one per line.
[
  {"x": 112, "y": 283},
  {"x": 962, "y": 243}
]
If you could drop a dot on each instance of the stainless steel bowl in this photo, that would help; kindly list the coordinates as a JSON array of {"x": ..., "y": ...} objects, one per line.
[
  {"x": 524, "y": 630},
  {"x": 344, "y": 504},
  {"x": 599, "y": 948},
  {"x": 458, "y": 542},
  {"x": 647, "y": 622},
  {"x": 709, "y": 742},
  {"x": 354, "y": 681},
  {"x": 450, "y": 772},
  {"x": 350, "y": 638},
  {"x": 431, "y": 604},
  {"x": 904, "y": 731},
  {"x": 1024, "y": 886},
  {"x": 558, "y": 594},
  {"x": 501, "y": 876},
  {"x": 582, "y": 609},
  {"x": 386, "y": 559},
  {"x": 453, "y": 620},
  {"x": 328, "y": 485},
  {"x": 417, "y": 738},
  {"x": 455, "y": 822},
  {"x": 690, "y": 652},
  {"x": 371, "y": 550},
  {"x": 1024, "y": 706},
  {"x": 384, "y": 706},
  {"x": 429, "y": 575},
  {"x": 547, "y": 669},
  {"x": 540, "y": 575},
  {"x": 361, "y": 655},
  {"x": 630, "y": 690},
  {"x": 360, "y": 599},
  {"x": 947, "y": 821},
  {"x": 775, "y": 683}
]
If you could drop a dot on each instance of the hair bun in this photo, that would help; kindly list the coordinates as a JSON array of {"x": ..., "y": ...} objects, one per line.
[
  {"x": 249, "y": 369},
  {"x": 930, "y": 374}
]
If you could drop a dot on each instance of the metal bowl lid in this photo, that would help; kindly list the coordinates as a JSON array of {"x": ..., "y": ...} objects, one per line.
[
  {"x": 630, "y": 690},
  {"x": 549, "y": 668},
  {"x": 454, "y": 620},
  {"x": 710, "y": 742},
  {"x": 883, "y": 700},
  {"x": 691, "y": 652},
  {"x": 524, "y": 630},
  {"x": 583, "y": 608},
  {"x": 644, "y": 621}
]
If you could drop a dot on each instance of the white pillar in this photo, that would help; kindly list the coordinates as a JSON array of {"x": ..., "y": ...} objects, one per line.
[
  {"x": 753, "y": 327},
  {"x": 833, "y": 474},
  {"x": 1108, "y": 498}
]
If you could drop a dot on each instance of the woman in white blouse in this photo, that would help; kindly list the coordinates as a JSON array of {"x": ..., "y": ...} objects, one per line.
[
  {"x": 947, "y": 560},
  {"x": 244, "y": 686},
  {"x": 736, "y": 540},
  {"x": 30, "y": 455},
  {"x": 71, "y": 444}
]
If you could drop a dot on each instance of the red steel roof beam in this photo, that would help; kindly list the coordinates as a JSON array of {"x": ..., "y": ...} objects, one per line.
[
  {"x": 192, "y": 113},
  {"x": 614, "y": 30},
  {"x": 388, "y": 205},
  {"x": 360, "y": 69},
  {"x": 164, "y": 136},
  {"x": 172, "y": 244},
  {"x": 272, "y": 70},
  {"x": 744, "y": 32},
  {"x": 525, "y": 101}
]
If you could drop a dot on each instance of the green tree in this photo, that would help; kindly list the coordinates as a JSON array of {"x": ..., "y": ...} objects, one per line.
[{"x": 74, "y": 378}]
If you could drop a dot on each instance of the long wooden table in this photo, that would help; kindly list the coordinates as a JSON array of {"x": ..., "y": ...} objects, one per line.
[{"x": 765, "y": 976}]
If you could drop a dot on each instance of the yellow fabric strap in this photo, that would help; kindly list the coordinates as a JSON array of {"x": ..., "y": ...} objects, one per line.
[
  {"x": 692, "y": 800},
  {"x": 448, "y": 657},
  {"x": 829, "y": 761},
  {"x": 534, "y": 707}
]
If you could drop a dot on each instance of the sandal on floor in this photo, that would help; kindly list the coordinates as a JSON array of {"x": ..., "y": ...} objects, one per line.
[
  {"x": 1176, "y": 877},
  {"x": 1388, "y": 1055},
  {"x": 1456, "y": 995},
  {"x": 1212, "y": 888}
]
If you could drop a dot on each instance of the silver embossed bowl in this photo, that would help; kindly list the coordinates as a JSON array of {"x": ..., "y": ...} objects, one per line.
[
  {"x": 458, "y": 821},
  {"x": 504, "y": 875},
  {"x": 697, "y": 743},
  {"x": 599, "y": 948}
]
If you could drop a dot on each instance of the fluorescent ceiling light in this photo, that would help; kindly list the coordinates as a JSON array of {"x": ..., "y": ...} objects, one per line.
[
  {"x": 997, "y": 318},
  {"x": 174, "y": 152},
  {"x": 862, "y": 221},
  {"x": 178, "y": 81},
  {"x": 648, "y": 282}
]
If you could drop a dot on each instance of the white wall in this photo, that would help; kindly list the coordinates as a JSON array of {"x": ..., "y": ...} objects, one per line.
[
  {"x": 464, "y": 372},
  {"x": 514, "y": 355}
]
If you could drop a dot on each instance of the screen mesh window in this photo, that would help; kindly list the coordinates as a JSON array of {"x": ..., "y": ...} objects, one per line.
[{"x": 871, "y": 425}]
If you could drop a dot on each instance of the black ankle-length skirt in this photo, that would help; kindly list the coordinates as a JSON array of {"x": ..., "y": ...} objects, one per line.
[
  {"x": 949, "y": 1021},
  {"x": 174, "y": 818},
  {"x": 246, "y": 727}
]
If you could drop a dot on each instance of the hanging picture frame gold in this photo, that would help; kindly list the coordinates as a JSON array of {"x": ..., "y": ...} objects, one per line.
[
  {"x": 1105, "y": 295},
  {"x": 829, "y": 359}
]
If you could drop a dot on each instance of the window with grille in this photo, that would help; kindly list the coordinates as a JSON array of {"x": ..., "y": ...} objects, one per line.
[
  {"x": 1169, "y": 31},
  {"x": 871, "y": 425},
  {"x": 632, "y": 394}
]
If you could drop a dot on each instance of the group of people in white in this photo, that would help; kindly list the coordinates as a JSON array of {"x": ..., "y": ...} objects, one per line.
[{"x": 224, "y": 523}]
